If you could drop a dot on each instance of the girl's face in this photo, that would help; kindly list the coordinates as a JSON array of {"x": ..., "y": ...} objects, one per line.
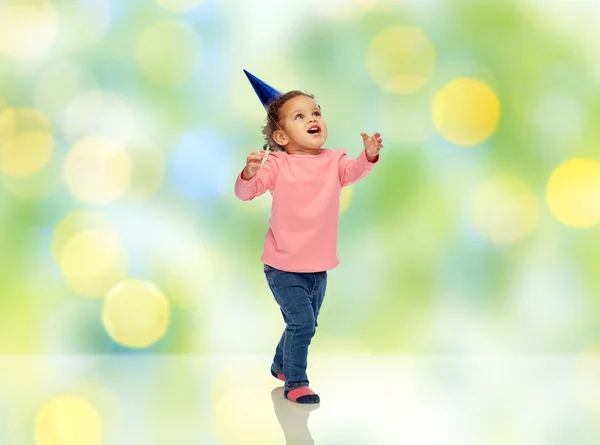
[{"x": 304, "y": 130}]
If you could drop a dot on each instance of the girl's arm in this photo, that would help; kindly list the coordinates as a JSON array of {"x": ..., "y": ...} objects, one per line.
[
  {"x": 263, "y": 180},
  {"x": 351, "y": 170}
]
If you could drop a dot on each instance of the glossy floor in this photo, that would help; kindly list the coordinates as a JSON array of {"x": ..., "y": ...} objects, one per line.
[{"x": 185, "y": 400}]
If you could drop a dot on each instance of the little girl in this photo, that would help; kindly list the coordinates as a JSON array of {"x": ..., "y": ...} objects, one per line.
[{"x": 305, "y": 181}]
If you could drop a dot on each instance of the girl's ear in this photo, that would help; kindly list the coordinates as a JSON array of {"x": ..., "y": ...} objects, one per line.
[{"x": 280, "y": 137}]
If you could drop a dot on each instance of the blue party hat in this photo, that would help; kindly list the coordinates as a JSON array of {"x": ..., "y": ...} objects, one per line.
[{"x": 265, "y": 93}]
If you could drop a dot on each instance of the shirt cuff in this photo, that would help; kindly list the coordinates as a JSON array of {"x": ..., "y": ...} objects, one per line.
[
  {"x": 369, "y": 163},
  {"x": 243, "y": 186}
]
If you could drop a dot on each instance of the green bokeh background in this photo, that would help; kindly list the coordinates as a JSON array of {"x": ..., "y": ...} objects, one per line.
[{"x": 415, "y": 274}]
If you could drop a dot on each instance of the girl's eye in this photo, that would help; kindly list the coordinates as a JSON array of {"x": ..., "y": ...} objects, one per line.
[
  {"x": 298, "y": 115},
  {"x": 316, "y": 113}
]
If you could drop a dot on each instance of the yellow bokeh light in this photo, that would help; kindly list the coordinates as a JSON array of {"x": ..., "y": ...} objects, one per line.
[
  {"x": 401, "y": 59},
  {"x": 148, "y": 163},
  {"x": 98, "y": 287},
  {"x": 236, "y": 420},
  {"x": 82, "y": 231},
  {"x": 168, "y": 53},
  {"x": 68, "y": 420},
  {"x": 98, "y": 170},
  {"x": 504, "y": 210},
  {"x": 345, "y": 199},
  {"x": 236, "y": 403},
  {"x": 98, "y": 113},
  {"x": 573, "y": 193},
  {"x": 136, "y": 313},
  {"x": 26, "y": 148},
  {"x": 466, "y": 111},
  {"x": 15, "y": 121},
  {"x": 178, "y": 5},
  {"x": 105, "y": 400},
  {"x": 27, "y": 31},
  {"x": 90, "y": 254},
  {"x": 83, "y": 23},
  {"x": 73, "y": 224},
  {"x": 26, "y": 153},
  {"x": 34, "y": 187}
]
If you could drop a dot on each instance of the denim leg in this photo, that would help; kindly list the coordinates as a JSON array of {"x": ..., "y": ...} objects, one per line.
[
  {"x": 317, "y": 297},
  {"x": 292, "y": 292},
  {"x": 277, "y": 366},
  {"x": 299, "y": 332},
  {"x": 319, "y": 294}
]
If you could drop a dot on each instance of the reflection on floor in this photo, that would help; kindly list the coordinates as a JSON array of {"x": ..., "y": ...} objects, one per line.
[{"x": 185, "y": 400}]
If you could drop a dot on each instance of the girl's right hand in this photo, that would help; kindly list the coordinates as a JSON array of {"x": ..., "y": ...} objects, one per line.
[{"x": 253, "y": 163}]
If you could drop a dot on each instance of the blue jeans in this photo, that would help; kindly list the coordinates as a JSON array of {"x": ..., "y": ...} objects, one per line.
[{"x": 299, "y": 296}]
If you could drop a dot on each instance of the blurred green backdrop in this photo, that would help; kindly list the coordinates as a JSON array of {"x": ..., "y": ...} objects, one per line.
[{"x": 124, "y": 124}]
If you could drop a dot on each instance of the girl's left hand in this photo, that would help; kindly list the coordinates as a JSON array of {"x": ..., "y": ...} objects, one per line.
[{"x": 372, "y": 145}]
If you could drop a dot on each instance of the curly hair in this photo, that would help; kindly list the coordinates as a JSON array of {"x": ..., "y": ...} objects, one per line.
[{"x": 273, "y": 112}]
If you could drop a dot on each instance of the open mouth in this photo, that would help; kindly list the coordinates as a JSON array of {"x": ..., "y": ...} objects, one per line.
[{"x": 315, "y": 129}]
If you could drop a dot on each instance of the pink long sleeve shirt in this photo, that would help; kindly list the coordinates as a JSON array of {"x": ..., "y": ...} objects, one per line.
[{"x": 306, "y": 189}]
